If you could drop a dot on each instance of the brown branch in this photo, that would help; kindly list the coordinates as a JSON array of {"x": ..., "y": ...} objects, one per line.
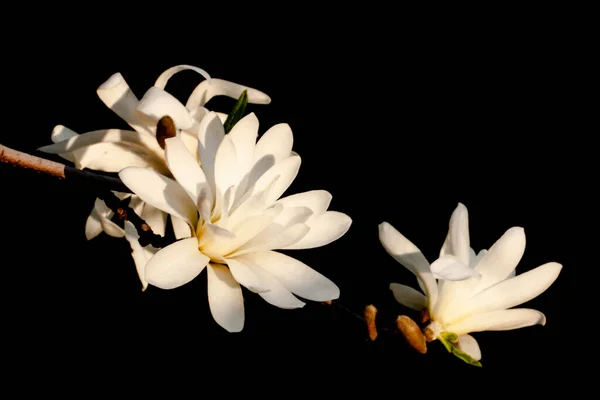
[{"x": 102, "y": 186}]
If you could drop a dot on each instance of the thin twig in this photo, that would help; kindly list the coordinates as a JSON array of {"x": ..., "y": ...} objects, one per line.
[{"x": 100, "y": 185}]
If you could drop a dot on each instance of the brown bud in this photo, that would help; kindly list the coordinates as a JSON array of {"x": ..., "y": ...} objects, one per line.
[
  {"x": 369, "y": 315},
  {"x": 424, "y": 315},
  {"x": 165, "y": 129},
  {"x": 411, "y": 332}
]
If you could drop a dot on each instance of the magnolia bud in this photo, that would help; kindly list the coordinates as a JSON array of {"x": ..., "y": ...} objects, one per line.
[{"x": 411, "y": 332}]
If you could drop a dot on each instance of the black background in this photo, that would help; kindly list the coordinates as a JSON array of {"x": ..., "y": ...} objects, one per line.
[{"x": 398, "y": 125}]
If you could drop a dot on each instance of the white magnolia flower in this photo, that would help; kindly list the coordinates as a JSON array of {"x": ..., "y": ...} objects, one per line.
[
  {"x": 463, "y": 302},
  {"x": 235, "y": 218},
  {"x": 111, "y": 150}
]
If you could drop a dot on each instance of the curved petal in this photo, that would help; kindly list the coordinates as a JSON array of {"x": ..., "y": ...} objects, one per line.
[
  {"x": 450, "y": 268},
  {"x": 161, "y": 81},
  {"x": 277, "y": 294},
  {"x": 156, "y": 218},
  {"x": 160, "y": 192},
  {"x": 113, "y": 157},
  {"x": 324, "y": 229},
  {"x": 244, "y": 274},
  {"x": 104, "y": 215},
  {"x": 243, "y": 135},
  {"x": 317, "y": 200},
  {"x": 276, "y": 143},
  {"x": 227, "y": 171},
  {"x": 157, "y": 103},
  {"x": 502, "y": 258},
  {"x": 140, "y": 256},
  {"x": 296, "y": 276},
  {"x": 282, "y": 240},
  {"x": 409, "y": 255},
  {"x": 176, "y": 264},
  {"x": 225, "y": 298},
  {"x": 210, "y": 136},
  {"x": 117, "y": 96},
  {"x": 458, "y": 234},
  {"x": 502, "y": 320},
  {"x": 185, "y": 168},
  {"x": 206, "y": 90},
  {"x": 287, "y": 171},
  {"x": 511, "y": 292},
  {"x": 93, "y": 226},
  {"x": 181, "y": 229},
  {"x": 408, "y": 296},
  {"x": 469, "y": 345}
]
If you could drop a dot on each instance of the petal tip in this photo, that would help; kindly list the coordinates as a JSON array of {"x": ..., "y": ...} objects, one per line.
[{"x": 111, "y": 82}]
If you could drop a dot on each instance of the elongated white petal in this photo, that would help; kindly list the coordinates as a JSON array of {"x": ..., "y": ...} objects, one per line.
[
  {"x": 176, "y": 264},
  {"x": 161, "y": 192},
  {"x": 210, "y": 136},
  {"x": 293, "y": 215},
  {"x": 450, "y": 268},
  {"x": 502, "y": 258},
  {"x": 157, "y": 103},
  {"x": 409, "y": 255},
  {"x": 138, "y": 141},
  {"x": 181, "y": 228},
  {"x": 156, "y": 218},
  {"x": 206, "y": 90},
  {"x": 287, "y": 171},
  {"x": 243, "y": 135},
  {"x": 317, "y": 200},
  {"x": 104, "y": 215},
  {"x": 453, "y": 296},
  {"x": 227, "y": 171},
  {"x": 285, "y": 238},
  {"x": 117, "y": 96},
  {"x": 185, "y": 168},
  {"x": 113, "y": 157},
  {"x": 324, "y": 229},
  {"x": 502, "y": 320},
  {"x": 162, "y": 80},
  {"x": 459, "y": 234},
  {"x": 140, "y": 257},
  {"x": 511, "y": 292},
  {"x": 244, "y": 274},
  {"x": 93, "y": 226},
  {"x": 275, "y": 144},
  {"x": 225, "y": 298},
  {"x": 408, "y": 296},
  {"x": 277, "y": 294},
  {"x": 469, "y": 345},
  {"x": 296, "y": 276}
]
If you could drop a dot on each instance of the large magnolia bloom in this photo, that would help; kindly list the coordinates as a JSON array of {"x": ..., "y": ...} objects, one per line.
[
  {"x": 111, "y": 150},
  {"x": 230, "y": 203},
  {"x": 472, "y": 293}
]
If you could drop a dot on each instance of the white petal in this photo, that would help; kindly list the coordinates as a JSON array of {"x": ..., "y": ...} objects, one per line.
[
  {"x": 206, "y": 90},
  {"x": 284, "y": 239},
  {"x": 502, "y": 258},
  {"x": 502, "y": 320},
  {"x": 244, "y": 274},
  {"x": 317, "y": 200},
  {"x": 275, "y": 145},
  {"x": 160, "y": 192},
  {"x": 511, "y": 292},
  {"x": 287, "y": 171},
  {"x": 243, "y": 135},
  {"x": 156, "y": 218},
  {"x": 450, "y": 268},
  {"x": 181, "y": 229},
  {"x": 176, "y": 264},
  {"x": 140, "y": 257},
  {"x": 459, "y": 234},
  {"x": 93, "y": 227},
  {"x": 157, "y": 103},
  {"x": 227, "y": 171},
  {"x": 117, "y": 96},
  {"x": 225, "y": 298},
  {"x": 210, "y": 136},
  {"x": 185, "y": 168},
  {"x": 296, "y": 276},
  {"x": 162, "y": 80},
  {"x": 468, "y": 344},
  {"x": 453, "y": 296},
  {"x": 324, "y": 229},
  {"x": 293, "y": 215},
  {"x": 222, "y": 117},
  {"x": 409, "y": 255},
  {"x": 408, "y": 296},
  {"x": 104, "y": 217},
  {"x": 113, "y": 157}
]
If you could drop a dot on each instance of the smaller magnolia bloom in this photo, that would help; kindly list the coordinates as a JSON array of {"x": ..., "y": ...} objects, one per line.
[
  {"x": 234, "y": 217},
  {"x": 467, "y": 292},
  {"x": 110, "y": 150}
]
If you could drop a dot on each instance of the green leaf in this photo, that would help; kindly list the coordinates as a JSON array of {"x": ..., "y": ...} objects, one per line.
[
  {"x": 455, "y": 350},
  {"x": 237, "y": 112},
  {"x": 449, "y": 336}
]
